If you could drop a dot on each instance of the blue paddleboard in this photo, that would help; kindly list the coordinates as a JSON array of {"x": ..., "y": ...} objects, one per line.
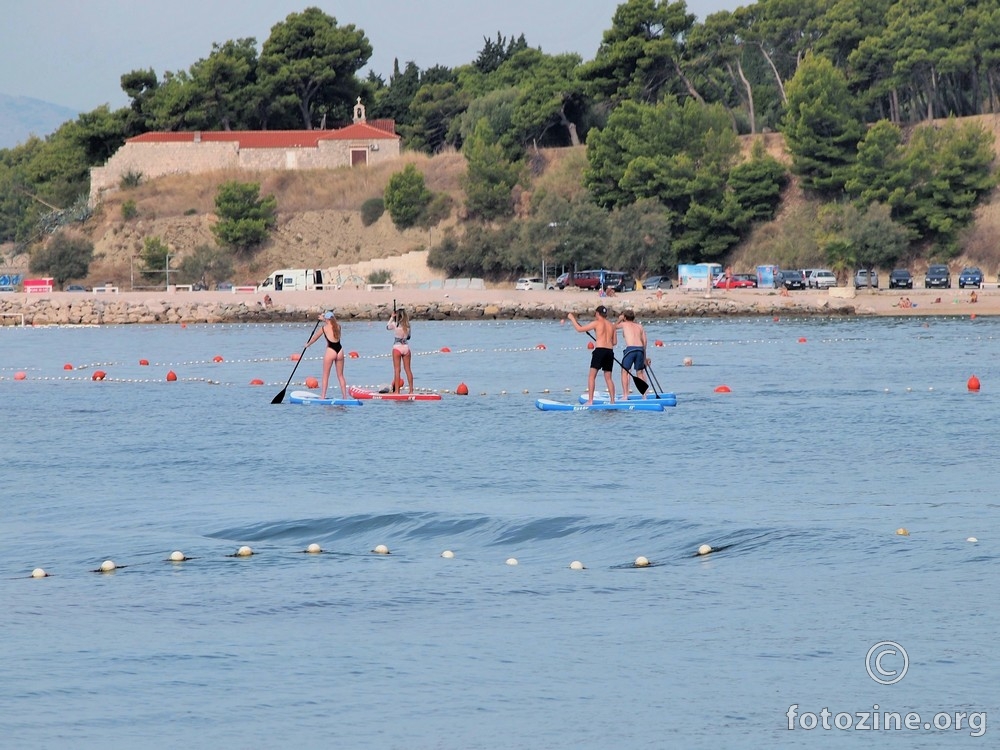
[
  {"x": 308, "y": 397},
  {"x": 548, "y": 405},
  {"x": 667, "y": 399}
]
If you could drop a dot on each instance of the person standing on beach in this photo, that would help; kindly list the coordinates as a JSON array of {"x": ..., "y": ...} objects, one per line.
[
  {"x": 603, "y": 356},
  {"x": 635, "y": 349},
  {"x": 334, "y": 351},
  {"x": 399, "y": 324}
]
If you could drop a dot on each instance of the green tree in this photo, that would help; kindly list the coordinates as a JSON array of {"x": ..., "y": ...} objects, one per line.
[
  {"x": 225, "y": 85},
  {"x": 205, "y": 265},
  {"x": 434, "y": 111},
  {"x": 245, "y": 218},
  {"x": 757, "y": 184},
  {"x": 640, "y": 239},
  {"x": 880, "y": 172},
  {"x": 308, "y": 65},
  {"x": 821, "y": 126},
  {"x": 406, "y": 197},
  {"x": 155, "y": 257},
  {"x": 490, "y": 177},
  {"x": 63, "y": 257}
]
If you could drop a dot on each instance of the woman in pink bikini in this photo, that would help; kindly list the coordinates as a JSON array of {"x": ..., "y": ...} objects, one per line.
[
  {"x": 399, "y": 324},
  {"x": 334, "y": 351}
]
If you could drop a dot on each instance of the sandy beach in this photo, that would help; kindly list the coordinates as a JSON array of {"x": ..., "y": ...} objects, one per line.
[{"x": 471, "y": 304}]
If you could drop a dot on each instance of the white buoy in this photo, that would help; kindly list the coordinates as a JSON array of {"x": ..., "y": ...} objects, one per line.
[
  {"x": 972, "y": 539},
  {"x": 576, "y": 565},
  {"x": 314, "y": 549},
  {"x": 381, "y": 550},
  {"x": 705, "y": 549},
  {"x": 38, "y": 573},
  {"x": 512, "y": 561},
  {"x": 177, "y": 556},
  {"x": 244, "y": 551},
  {"x": 447, "y": 554},
  {"x": 641, "y": 562},
  {"x": 107, "y": 566}
]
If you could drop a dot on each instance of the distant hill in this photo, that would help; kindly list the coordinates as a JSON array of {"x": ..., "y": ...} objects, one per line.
[{"x": 21, "y": 117}]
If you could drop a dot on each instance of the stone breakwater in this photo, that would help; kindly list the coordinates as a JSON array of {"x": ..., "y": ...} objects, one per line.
[{"x": 70, "y": 309}]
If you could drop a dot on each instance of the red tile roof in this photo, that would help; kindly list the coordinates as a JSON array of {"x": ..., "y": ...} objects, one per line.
[{"x": 359, "y": 131}]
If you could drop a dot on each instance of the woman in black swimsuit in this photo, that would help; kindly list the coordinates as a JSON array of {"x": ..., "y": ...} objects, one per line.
[{"x": 334, "y": 351}]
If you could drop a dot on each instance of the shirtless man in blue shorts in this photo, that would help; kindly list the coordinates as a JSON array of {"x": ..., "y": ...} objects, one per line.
[
  {"x": 603, "y": 357},
  {"x": 635, "y": 349}
]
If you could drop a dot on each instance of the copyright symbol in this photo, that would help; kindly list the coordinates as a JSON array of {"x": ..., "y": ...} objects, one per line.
[{"x": 887, "y": 662}]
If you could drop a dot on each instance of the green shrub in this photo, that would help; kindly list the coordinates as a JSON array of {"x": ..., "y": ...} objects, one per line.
[
  {"x": 63, "y": 258},
  {"x": 129, "y": 210},
  {"x": 379, "y": 276},
  {"x": 406, "y": 197},
  {"x": 372, "y": 210},
  {"x": 245, "y": 218},
  {"x": 130, "y": 180}
]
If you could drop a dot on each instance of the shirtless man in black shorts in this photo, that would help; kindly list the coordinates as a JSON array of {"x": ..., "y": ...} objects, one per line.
[{"x": 603, "y": 357}]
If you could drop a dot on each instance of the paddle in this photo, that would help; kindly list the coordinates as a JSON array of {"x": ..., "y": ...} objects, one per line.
[
  {"x": 652, "y": 375},
  {"x": 653, "y": 381},
  {"x": 640, "y": 385},
  {"x": 281, "y": 396}
]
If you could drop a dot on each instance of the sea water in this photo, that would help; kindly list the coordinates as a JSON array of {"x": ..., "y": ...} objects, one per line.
[{"x": 834, "y": 435}]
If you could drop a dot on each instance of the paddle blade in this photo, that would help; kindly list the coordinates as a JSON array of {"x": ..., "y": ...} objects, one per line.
[
  {"x": 640, "y": 385},
  {"x": 280, "y": 397}
]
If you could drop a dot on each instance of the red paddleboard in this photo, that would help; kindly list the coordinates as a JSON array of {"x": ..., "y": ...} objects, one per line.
[{"x": 365, "y": 394}]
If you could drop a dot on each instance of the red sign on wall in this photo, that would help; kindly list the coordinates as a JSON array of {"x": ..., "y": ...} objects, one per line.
[{"x": 37, "y": 285}]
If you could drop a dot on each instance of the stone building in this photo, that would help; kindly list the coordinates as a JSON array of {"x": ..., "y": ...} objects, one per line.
[{"x": 157, "y": 154}]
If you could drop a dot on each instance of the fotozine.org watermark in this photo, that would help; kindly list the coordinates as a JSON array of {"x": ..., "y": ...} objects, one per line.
[{"x": 887, "y": 663}]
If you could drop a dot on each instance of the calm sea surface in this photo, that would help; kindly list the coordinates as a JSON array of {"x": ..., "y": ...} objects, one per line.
[{"x": 836, "y": 434}]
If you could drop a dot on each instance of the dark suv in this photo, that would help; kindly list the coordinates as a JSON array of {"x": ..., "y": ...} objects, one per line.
[
  {"x": 971, "y": 276},
  {"x": 900, "y": 278},
  {"x": 793, "y": 280},
  {"x": 937, "y": 276}
]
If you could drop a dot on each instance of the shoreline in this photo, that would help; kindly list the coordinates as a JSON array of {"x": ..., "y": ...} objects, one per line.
[{"x": 90, "y": 308}]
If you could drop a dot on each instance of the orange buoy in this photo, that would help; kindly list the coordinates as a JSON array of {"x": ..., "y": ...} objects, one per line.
[
  {"x": 352, "y": 355},
  {"x": 296, "y": 357},
  {"x": 657, "y": 343},
  {"x": 171, "y": 376},
  {"x": 590, "y": 344},
  {"x": 20, "y": 375},
  {"x": 722, "y": 389},
  {"x": 184, "y": 325},
  {"x": 445, "y": 350},
  {"x": 462, "y": 389},
  {"x": 217, "y": 358},
  {"x": 256, "y": 381},
  {"x": 67, "y": 366},
  {"x": 98, "y": 375},
  {"x": 144, "y": 362},
  {"x": 972, "y": 317},
  {"x": 311, "y": 382},
  {"x": 539, "y": 346},
  {"x": 973, "y": 383},
  {"x": 802, "y": 339},
  {"x": 775, "y": 318}
]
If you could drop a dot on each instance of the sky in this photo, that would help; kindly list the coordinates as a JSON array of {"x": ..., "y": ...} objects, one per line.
[{"x": 74, "y": 52}]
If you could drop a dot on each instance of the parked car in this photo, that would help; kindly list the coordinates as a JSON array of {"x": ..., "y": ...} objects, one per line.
[
  {"x": 792, "y": 280},
  {"x": 751, "y": 277},
  {"x": 937, "y": 277},
  {"x": 865, "y": 278},
  {"x": 590, "y": 279},
  {"x": 224, "y": 286},
  {"x": 529, "y": 283},
  {"x": 732, "y": 282},
  {"x": 900, "y": 278},
  {"x": 658, "y": 282},
  {"x": 620, "y": 282},
  {"x": 75, "y": 288},
  {"x": 821, "y": 278},
  {"x": 970, "y": 276}
]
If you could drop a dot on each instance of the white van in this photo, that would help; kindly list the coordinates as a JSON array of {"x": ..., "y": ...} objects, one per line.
[{"x": 292, "y": 280}]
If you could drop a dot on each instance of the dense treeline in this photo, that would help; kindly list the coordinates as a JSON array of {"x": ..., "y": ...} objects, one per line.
[{"x": 848, "y": 82}]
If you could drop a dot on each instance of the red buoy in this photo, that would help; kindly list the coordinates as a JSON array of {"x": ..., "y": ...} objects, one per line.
[
  {"x": 67, "y": 366},
  {"x": 144, "y": 362},
  {"x": 295, "y": 357},
  {"x": 20, "y": 375},
  {"x": 98, "y": 375},
  {"x": 445, "y": 350},
  {"x": 722, "y": 389},
  {"x": 352, "y": 355},
  {"x": 973, "y": 383},
  {"x": 256, "y": 381},
  {"x": 217, "y": 358},
  {"x": 590, "y": 344},
  {"x": 311, "y": 382},
  {"x": 540, "y": 346},
  {"x": 462, "y": 389},
  {"x": 802, "y": 339},
  {"x": 171, "y": 376},
  {"x": 657, "y": 343}
]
